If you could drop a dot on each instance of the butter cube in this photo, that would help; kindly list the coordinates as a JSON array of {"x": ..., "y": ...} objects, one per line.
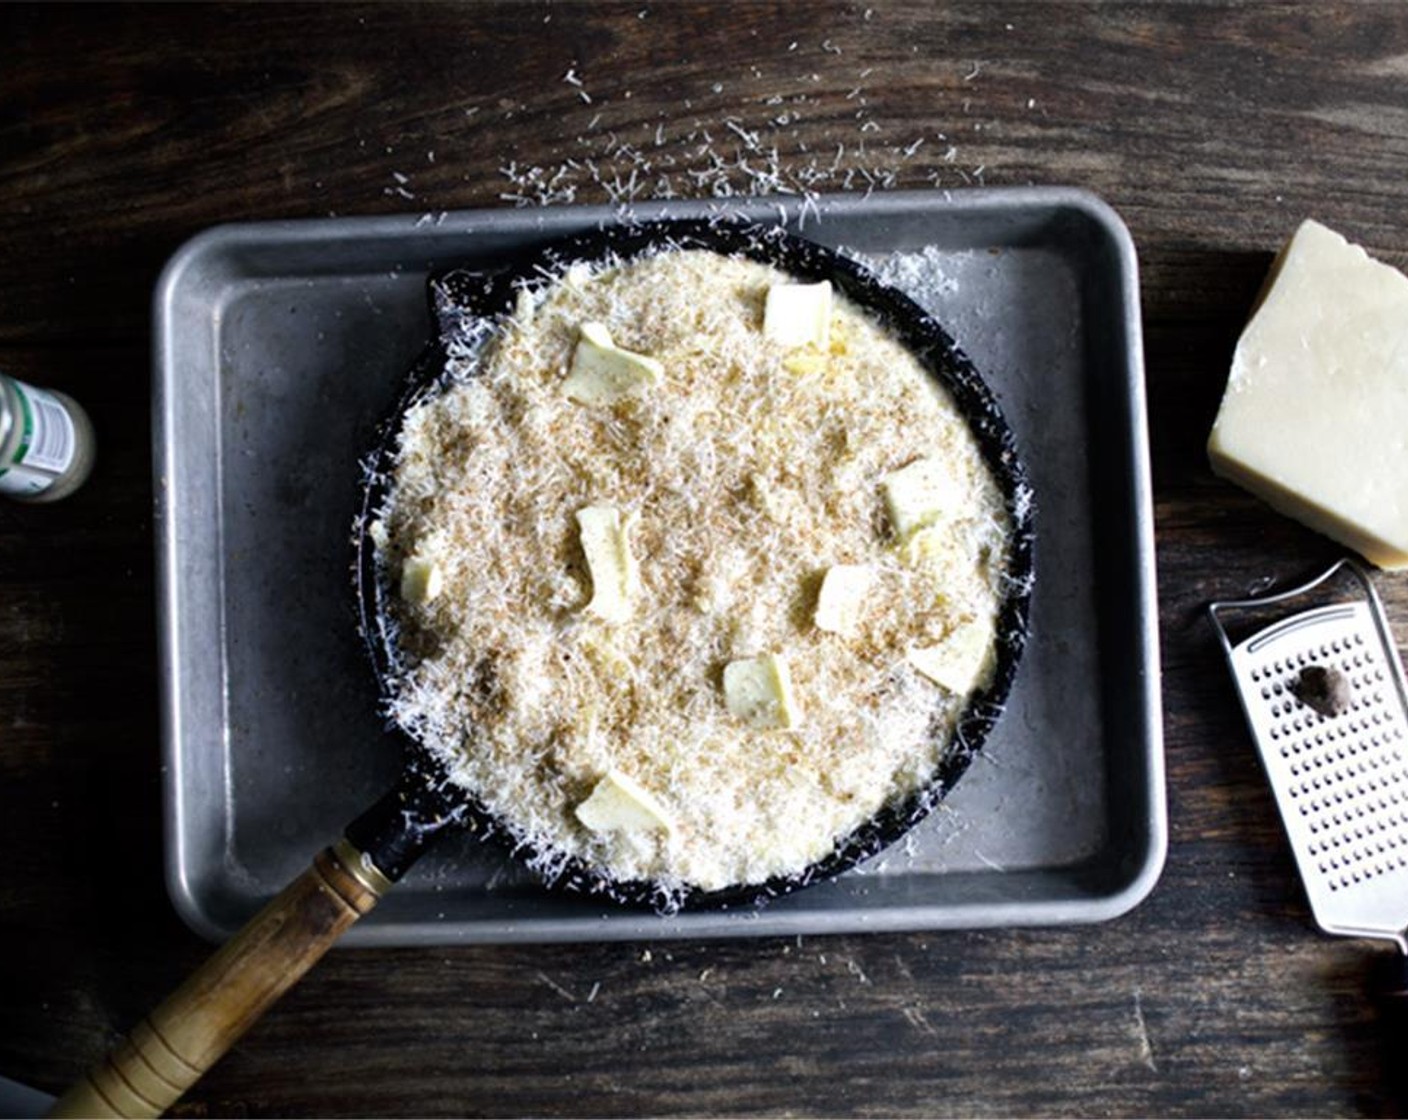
[
  {"x": 1315, "y": 416},
  {"x": 596, "y": 335},
  {"x": 421, "y": 579},
  {"x": 603, "y": 373},
  {"x": 919, "y": 495},
  {"x": 618, "y": 803},
  {"x": 805, "y": 363},
  {"x": 935, "y": 546},
  {"x": 606, "y": 544},
  {"x": 842, "y": 595},
  {"x": 380, "y": 534},
  {"x": 758, "y": 691},
  {"x": 798, "y": 314},
  {"x": 961, "y": 661}
]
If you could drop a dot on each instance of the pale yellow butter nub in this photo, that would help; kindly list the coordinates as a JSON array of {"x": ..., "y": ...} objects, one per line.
[
  {"x": 842, "y": 596},
  {"x": 920, "y": 494},
  {"x": 758, "y": 690},
  {"x": 421, "y": 579},
  {"x": 1315, "y": 416},
  {"x": 606, "y": 544},
  {"x": 961, "y": 661},
  {"x": 798, "y": 314},
  {"x": 934, "y": 545},
  {"x": 618, "y": 803},
  {"x": 603, "y": 373}
]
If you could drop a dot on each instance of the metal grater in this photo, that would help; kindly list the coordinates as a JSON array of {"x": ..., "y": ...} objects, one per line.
[{"x": 1340, "y": 780}]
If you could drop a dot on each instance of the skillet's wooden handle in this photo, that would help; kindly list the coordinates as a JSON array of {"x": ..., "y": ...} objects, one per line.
[{"x": 172, "y": 1047}]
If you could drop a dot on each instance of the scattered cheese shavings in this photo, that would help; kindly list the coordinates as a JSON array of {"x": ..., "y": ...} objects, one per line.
[
  {"x": 421, "y": 579},
  {"x": 961, "y": 661},
  {"x": 603, "y": 373},
  {"x": 842, "y": 595},
  {"x": 607, "y": 547},
  {"x": 919, "y": 495},
  {"x": 798, "y": 314},
  {"x": 759, "y": 691},
  {"x": 619, "y": 803}
]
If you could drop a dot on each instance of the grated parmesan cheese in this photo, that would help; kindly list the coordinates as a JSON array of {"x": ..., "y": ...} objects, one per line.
[{"x": 746, "y": 478}]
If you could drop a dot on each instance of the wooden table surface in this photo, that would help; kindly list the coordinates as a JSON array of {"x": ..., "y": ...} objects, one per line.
[{"x": 1213, "y": 129}]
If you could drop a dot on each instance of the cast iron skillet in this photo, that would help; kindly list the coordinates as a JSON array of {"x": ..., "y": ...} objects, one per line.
[
  {"x": 183, "y": 1037},
  {"x": 467, "y": 305}
]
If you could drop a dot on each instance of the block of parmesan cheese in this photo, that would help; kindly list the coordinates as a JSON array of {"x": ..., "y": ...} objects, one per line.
[{"x": 1315, "y": 416}]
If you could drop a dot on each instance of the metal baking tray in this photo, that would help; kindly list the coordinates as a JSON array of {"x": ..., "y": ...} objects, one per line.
[{"x": 279, "y": 344}]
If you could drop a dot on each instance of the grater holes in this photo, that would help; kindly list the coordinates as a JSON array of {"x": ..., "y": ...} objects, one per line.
[
  {"x": 1346, "y": 772},
  {"x": 1366, "y": 848}
]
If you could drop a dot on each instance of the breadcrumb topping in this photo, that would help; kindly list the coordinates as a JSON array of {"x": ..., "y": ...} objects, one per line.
[{"x": 749, "y": 471}]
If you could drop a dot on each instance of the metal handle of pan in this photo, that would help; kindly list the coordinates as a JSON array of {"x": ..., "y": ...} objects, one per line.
[{"x": 170, "y": 1049}]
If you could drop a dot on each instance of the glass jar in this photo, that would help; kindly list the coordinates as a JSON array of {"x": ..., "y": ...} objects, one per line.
[{"x": 46, "y": 442}]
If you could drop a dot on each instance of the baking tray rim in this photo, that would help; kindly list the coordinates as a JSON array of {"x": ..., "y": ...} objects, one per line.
[{"x": 1139, "y": 876}]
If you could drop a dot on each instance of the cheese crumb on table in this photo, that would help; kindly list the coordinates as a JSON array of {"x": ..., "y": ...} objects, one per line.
[{"x": 1315, "y": 416}]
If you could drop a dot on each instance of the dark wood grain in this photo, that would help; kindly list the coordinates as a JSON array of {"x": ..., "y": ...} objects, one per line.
[{"x": 1212, "y": 129}]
